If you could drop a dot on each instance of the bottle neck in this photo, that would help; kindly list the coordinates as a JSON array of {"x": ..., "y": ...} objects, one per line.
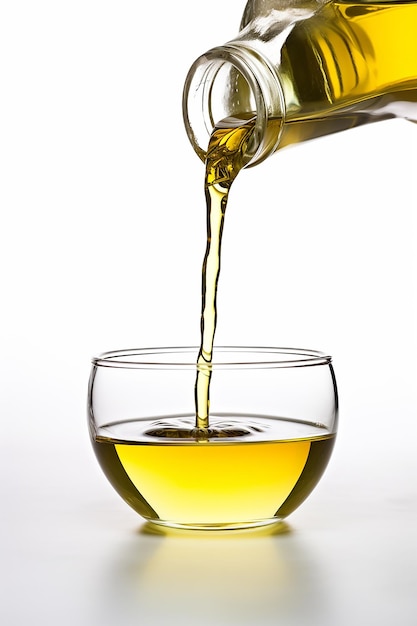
[{"x": 234, "y": 81}]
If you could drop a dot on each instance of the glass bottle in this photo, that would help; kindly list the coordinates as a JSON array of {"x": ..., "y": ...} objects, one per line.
[{"x": 304, "y": 69}]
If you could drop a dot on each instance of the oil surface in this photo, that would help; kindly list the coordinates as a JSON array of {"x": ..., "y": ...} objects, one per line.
[{"x": 256, "y": 479}]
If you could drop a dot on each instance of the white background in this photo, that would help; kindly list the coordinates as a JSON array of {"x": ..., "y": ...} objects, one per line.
[{"x": 101, "y": 243}]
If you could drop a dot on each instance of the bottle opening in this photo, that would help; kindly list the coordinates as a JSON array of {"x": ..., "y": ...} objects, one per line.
[{"x": 233, "y": 82}]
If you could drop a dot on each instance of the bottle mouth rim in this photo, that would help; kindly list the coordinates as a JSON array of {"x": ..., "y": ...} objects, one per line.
[
  {"x": 266, "y": 96},
  {"x": 224, "y": 357}
]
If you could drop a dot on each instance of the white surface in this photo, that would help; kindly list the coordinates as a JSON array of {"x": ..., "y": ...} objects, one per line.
[{"x": 99, "y": 253}]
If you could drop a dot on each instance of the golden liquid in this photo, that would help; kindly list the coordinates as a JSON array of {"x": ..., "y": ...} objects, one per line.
[
  {"x": 224, "y": 161},
  {"x": 352, "y": 52},
  {"x": 214, "y": 483},
  {"x": 351, "y": 63}
]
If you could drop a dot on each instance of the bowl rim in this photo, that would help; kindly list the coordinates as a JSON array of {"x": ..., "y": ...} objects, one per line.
[{"x": 252, "y": 357}]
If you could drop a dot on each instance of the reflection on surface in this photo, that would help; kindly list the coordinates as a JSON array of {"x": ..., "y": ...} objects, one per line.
[{"x": 167, "y": 576}]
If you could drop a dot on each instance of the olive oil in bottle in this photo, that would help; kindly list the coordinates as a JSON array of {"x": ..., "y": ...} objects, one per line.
[{"x": 306, "y": 69}]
